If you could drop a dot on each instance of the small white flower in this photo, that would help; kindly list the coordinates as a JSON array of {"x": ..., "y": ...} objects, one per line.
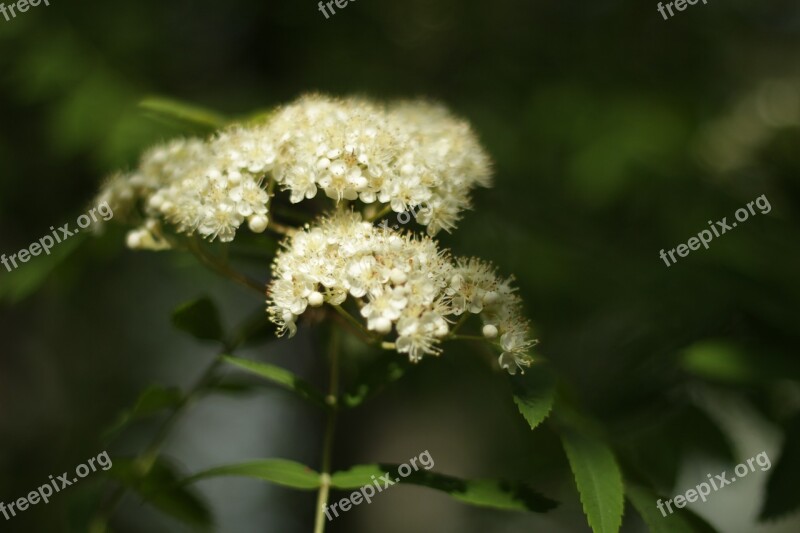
[
  {"x": 515, "y": 345},
  {"x": 386, "y": 307},
  {"x": 250, "y": 198}
]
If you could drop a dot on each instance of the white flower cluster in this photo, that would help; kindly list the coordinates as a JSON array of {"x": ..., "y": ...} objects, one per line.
[
  {"x": 400, "y": 283},
  {"x": 403, "y": 155},
  {"x": 209, "y": 187}
]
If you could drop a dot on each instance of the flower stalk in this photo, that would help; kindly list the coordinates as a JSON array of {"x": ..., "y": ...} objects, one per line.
[{"x": 332, "y": 400}]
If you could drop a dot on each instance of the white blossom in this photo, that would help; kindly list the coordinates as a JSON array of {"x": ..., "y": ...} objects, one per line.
[
  {"x": 399, "y": 156},
  {"x": 404, "y": 155},
  {"x": 208, "y": 187},
  {"x": 403, "y": 285}
]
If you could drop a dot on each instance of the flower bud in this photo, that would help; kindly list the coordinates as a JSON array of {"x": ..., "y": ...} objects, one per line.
[
  {"x": 315, "y": 299},
  {"x": 490, "y": 331},
  {"x": 257, "y": 223}
]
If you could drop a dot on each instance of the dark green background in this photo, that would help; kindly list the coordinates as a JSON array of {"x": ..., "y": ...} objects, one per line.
[{"x": 615, "y": 134}]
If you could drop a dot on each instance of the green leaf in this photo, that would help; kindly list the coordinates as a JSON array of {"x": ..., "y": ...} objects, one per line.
[
  {"x": 161, "y": 488},
  {"x": 279, "y": 376},
  {"x": 182, "y": 113},
  {"x": 357, "y": 476},
  {"x": 151, "y": 401},
  {"x": 782, "y": 494},
  {"x": 719, "y": 360},
  {"x": 280, "y": 471},
  {"x": 724, "y": 361},
  {"x": 374, "y": 377},
  {"x": 200, "y": 319},
  {"x": 598, "y": 478},
  {"x": 534, "y": 393},
  {"x": 505, "y": 495},
  {"x": 680, "y": 521},
  {"x": 259, "y": 117}
]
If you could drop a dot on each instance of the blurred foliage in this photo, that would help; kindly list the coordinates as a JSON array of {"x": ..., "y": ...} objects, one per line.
[{"x": 615, "y": 134}]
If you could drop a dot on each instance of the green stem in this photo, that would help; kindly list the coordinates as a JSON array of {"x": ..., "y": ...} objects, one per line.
[
  {"x": 147, "y": 459},
  {"x": 467, "y": 338},
  {"x": 368, "y": 337},
  {"x": 150, "y": 455},
  {"x": 223, "y": 269},
  {"x": 464, "y": 317},
  {"x": 330, "y": 430},
  {"x": 280, "y": 229},
  {"x": 385, "y": 211}
]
